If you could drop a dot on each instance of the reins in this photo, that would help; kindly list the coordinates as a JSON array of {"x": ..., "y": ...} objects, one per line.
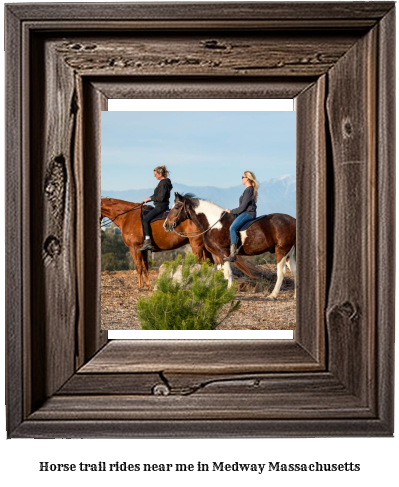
[
  {"x": 120, "y": 214},
  {"x": 191, "y": 234}
]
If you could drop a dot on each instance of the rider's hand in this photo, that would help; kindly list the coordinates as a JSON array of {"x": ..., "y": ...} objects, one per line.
[{"x": 228, "y": 211}]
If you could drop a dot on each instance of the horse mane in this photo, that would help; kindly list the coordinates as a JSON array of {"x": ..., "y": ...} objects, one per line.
[
  {"x": 195, "y": 201},
  {"x": 192, "y": 198}
]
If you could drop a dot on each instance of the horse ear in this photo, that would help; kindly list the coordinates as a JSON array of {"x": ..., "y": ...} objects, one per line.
[{"x": 178, "y": 197}]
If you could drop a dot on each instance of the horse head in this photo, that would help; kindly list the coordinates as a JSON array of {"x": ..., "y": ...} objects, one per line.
[{"x": 178, "y": 213}]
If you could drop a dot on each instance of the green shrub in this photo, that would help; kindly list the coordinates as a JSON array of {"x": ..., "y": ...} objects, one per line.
[{"x": 193, "y": 303}]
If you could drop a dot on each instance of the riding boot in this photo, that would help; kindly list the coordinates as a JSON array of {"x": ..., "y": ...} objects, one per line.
[
  {"x": 147, "y": 245},
  {"x": 233, "y": 254}
]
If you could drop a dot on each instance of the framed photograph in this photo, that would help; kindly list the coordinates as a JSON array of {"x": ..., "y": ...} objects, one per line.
[{"x": 65, "y": 379}]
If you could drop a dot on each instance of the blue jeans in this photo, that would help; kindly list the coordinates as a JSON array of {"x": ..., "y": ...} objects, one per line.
[{"x": 237, "y": 224}]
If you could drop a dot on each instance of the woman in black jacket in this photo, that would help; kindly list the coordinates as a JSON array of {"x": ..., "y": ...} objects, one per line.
[
  {"x": 161, "y": 202},
  {"x": 245, "y": 212}
]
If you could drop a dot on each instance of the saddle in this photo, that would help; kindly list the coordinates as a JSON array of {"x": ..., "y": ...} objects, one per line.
[
  {"x": 146, "y": 209},
  {"x": 251, "y": 222}
]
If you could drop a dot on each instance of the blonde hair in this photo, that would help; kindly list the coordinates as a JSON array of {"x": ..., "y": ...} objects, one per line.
[
  {"x": 162, "y": 171},
  {"x": 254, "y": 183}
]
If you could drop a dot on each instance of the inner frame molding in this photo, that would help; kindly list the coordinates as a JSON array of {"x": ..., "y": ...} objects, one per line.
[{"x": 336, "y": 377}]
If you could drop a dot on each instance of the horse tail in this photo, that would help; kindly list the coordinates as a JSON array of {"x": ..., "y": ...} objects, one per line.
[{"x": 250, "y": 269}]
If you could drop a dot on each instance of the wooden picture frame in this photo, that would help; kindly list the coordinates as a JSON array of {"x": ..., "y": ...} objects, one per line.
[{"x": 336, "y": 377}]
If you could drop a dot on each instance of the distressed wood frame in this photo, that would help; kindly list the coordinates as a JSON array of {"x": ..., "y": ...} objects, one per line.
[{"x": 336, "y": 377}]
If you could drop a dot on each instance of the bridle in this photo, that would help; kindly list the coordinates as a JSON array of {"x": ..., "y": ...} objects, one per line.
[
  {"x": 191, "y": 234},
  {"x": 120, "y": 214}
]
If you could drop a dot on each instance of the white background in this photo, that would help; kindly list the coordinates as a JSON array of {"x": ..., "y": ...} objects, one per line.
[{"x": 20, "y": 458}]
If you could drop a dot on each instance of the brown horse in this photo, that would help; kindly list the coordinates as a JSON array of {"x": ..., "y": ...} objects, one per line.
[
  {"x": 130, "y": 225},
  {"x": 275, "y": 233}
]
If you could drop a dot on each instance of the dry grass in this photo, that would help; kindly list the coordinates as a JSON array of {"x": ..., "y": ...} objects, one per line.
[{"x": 119, "y": 296}]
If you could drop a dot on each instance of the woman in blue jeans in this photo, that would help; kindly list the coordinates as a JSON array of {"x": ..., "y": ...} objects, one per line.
[{"x": 245, "y": 212}]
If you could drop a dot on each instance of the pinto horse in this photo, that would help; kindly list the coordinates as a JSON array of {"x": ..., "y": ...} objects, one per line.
[
  {"x": 130, "y": 225},
  {"x": 275, "y": 233}
]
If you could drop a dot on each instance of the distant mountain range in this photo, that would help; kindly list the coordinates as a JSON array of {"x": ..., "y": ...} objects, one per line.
[{"x": 275, "y": 196}]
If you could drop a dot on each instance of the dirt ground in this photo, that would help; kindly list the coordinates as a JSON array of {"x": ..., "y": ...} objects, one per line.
[{"x": 119, "y": 296}]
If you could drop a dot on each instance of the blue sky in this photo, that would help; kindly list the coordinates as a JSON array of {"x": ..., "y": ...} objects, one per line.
[{"x": 199, "y": 148}]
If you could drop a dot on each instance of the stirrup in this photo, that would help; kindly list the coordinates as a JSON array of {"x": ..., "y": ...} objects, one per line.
[
  {"x": 230, "y": 258},
  {"x": 233, "y": 254},
  {"x": 147, "y": 246}
]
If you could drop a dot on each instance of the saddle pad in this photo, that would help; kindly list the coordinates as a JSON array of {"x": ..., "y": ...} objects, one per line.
[
  {"x": 161, "y": 216},
  {"x": 251, "y": 222}
]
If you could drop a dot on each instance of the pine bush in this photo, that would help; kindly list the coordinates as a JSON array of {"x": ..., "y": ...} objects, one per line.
[{"x": 193, "y": 302}]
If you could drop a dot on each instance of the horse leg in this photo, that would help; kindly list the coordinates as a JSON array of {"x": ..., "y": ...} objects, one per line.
[
  {"x": 225, "y": 266},
  {"x": 291, "y": 263},
  {"x": 228, "y": 275},
  {"x": 144, "y": 256},
  {"x": 281, "y": 261},
  {"x": 138, "y": 262},
  {"x": 218, "y": 261},
  {"x": 199, "y": 250}
]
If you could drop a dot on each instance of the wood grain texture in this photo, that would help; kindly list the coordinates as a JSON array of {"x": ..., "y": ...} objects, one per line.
[
  {"x": 92, "y": 103},
  {"x": 203, "y": 407},
  {"x": 64, "y": 62},
  {"x": 208, "y": 11},
  {"x": 113, "y": 384},
  {"x": 385, "y": 223},
  {"x": 15, "y": 260},
  {"x": 351, "y": 123},
  {"x": 197, "y": 87},
  {"x": 53, "y": 211},
  {"x": 311, "y": 218},
  {"x": 185, "y": 384},
  {"x": 277, "y": 396},
  {"x": 240, "y": 55},
  {"x": 200, "y": 356},
  {"x": 191, "y": 428}
]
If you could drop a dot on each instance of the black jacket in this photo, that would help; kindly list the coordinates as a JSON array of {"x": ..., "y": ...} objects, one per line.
[
  {"x": 161, "y": 194},
  {"x": 247, "y": 203}
]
